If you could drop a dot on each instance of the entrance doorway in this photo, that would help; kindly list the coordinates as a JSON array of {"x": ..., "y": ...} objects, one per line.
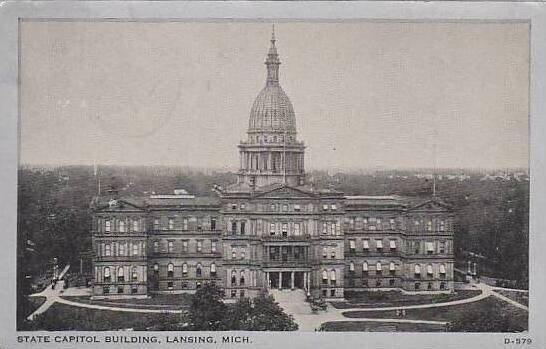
[{"x": 285, "y": 279}]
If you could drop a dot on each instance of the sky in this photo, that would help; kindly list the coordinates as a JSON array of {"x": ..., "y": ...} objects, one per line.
[{"x": 367, "y": 94}]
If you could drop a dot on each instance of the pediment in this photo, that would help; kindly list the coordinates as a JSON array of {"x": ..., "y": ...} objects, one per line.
[
  {"x": 119, "y": 205},
  {"x": 285, "y": 192},
  {"x": 431, "y": 206}
]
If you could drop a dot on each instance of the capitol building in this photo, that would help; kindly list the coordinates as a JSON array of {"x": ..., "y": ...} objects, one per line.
[{"x": 270, "y": 229}]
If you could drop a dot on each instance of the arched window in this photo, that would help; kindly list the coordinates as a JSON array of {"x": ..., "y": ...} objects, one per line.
[
  {"x": 121, "y": 277},
  {"x": 135, "y": 225},
  {"x": 324, "y": 277},
  {"x": 135, "y": 250},
  {"x": 378, "y": 268},
  {"x": 198, "y": 270},
  {"x": 122, "y": 249},
  {"x": 184, "y": 269},
  {"x": 442, "y": 270},
  {"x": 333, "y": 277},
  {"x": 107, "y": 250},
  {"x": 156, "y": 246},
  {"x": 213, "y": 269},
  {"x": 242, "y": 278},
  {"x": 170, "y": 270},
  {"x": 107, "y": 226},
  {"x": 352, "y": 267},
  {"x": 122, "y": 226},
  {"x": 365, "y": 268},
  {"x": 417, "y": 270},
  {"x": 429, "y": 270},
  {"x": 233, "y": 278},
  {"x": 392, "y": 268},
  {"x": 156, "y": 267},
  {"x": 134, "y": 274},
  {"x": 106, "y": 274}
]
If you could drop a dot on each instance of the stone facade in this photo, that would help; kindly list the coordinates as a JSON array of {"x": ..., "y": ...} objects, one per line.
[{"x": 271, "y": 229}]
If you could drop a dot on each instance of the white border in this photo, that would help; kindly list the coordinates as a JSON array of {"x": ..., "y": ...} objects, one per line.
[{"x": 535, "y": 12}]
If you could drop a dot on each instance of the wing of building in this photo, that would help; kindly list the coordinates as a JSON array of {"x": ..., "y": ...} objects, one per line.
[{"x": 270, "y": 229}]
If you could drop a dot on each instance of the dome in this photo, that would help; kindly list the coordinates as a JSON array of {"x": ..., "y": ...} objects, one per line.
[{"x": 272, "y": 111}]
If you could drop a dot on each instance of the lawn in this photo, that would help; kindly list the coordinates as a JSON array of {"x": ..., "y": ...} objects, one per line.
[
  {"x": 161, "y": 301},
  {"x": 520, "y": 297},
  {"x": 452, "y": 313},
  {"x": 366, "y": 326},
  {"x": 62, "y": 317},
  {"x": 35, "y": 303},
  {"x": 373, "y": 299}
]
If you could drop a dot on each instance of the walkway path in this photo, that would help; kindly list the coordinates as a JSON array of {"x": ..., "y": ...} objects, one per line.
[
  {"x": 52, "y": 295},
  {"x": 508, "y": 300}
]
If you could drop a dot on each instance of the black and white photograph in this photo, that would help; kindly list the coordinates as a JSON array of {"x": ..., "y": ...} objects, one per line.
[{"x": 234, "y": 174}]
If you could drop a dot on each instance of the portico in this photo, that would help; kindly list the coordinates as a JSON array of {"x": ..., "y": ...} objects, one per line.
[{"x": 288, "y": 279}]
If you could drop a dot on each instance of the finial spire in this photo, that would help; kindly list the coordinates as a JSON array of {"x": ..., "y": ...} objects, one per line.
[
  {"x": 272, "y": 61},
  {"x": 273, "y": 33}
]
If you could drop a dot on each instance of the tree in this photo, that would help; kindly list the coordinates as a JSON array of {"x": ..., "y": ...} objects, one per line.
[
  {"x": 267, "y": 315},
  {"x": 207, "y": 311}
]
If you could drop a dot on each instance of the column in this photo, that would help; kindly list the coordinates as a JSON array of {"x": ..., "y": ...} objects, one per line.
[
  {"x": 305, "y": 280},
  {"x": 268, "y": 285},
  {"x": 292, "y": 280},
  {"x": 308, "y": 283},
  {"x": 280, "y": 280}
]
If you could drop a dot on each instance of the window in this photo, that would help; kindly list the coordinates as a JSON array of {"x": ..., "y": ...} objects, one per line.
[
  {"x": 171, "y": 224},
  {"x": 198, "y": 270},
  {"x": 272, "y": 207},
  {"x": 233, "y": 278},
  {"x": 120, "y": 289},
  {"x": 430, "y": 247},
  {"x": 296, "y": 229},
  {"x": 185, "y": 223},
  {"x": 233, "y": 206},
  {"x": 213, "y": 247},
  {"x": 107, "y": 250},
  {"x": 333, "y": 207},
  {"x": 442, "y": 286},
  {"x": 242, "y": 207},
  {"x": 417, "y": 285},
  {"x": 242, "y": 293},
  {"x": 392, "y": 268},
  {"x": 213, "y": 270},
  {"x": 325, "y": 207},
  {"x": 170, "y": 246},
  {"x": 378, "y": 268},
  {"x": 121, "y": 277},
  {"x": 156, "y": 224},
  {"x": 365, "y": 268},
  {"x": 352, "y": 222},
  {"x": 366, "y": 245},
  {"x": 417, "y": 270},
  {"x": 285, "y": 208},
  {"x": 332, "y": 293},
  {"x": 199, "y": 245},
  {"x": 352, "y": 267},
  {"x": 324, "y": 228},
  {"x": 429, "y": 225},
  {"x": 392, "y": 245},
  {"x": 272, "y": 228},
  {"x": 135, "y": 250},
  {"x": 333, "y": 228},
  {"x": 134, "y": 289},
  {"x": 392, "y": 224},
  {"x": 352, "y": 246},
  {"x": 333, "y": 277},
  {"x": 185, "y": 246},
  {"x": 122, "y": 249},
  {"x": 233, "y": 227},
  {"x": 184, "y": 269},
  {"x": 242, "y": 278},
  {"x": 156, "y": 246},
  {"x": 122, "y": 226},
  {"x": 442, "y": 270},
  {"x": 156, "y": 267},
  {"x": 243, "y": 226},
  {"x": 325, "y": 293},
  {"x": 170, "y": 285},
  {"x": 242, "y": 254},
  {"x": 429, "y": 286},
  {"x": 378, "y": 283},
  {"x": 233, "y": 293},
  {"x": 106, "y": 289},
  {"x": 107, "y": 226},
  {"x": 135, "y": 225},
  {"x": 391, "y": 282},
  {"x": 442, "y": 225},
  {"x": 233, "y": 253},
  {"x": 429, "y": 271},
  {"x": 297, "y": 208},
  {"x": 170, "y": 270},
  {"x": 379, "y": 245},
  {"x": 442, "y": 247},
  {"x": 324, "y": 252},
  {"x": 284, "y": 229},
  {"x": 213, "y": 223},
  {"x": 333, "y": 254},
  {"x": 134, "y": 274},
  {"x": 365, "y": 283},
  {"x": 106, "y": 274},
  {"x": 324, "y": 277},
  {"x": 199, "y": 223}
]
